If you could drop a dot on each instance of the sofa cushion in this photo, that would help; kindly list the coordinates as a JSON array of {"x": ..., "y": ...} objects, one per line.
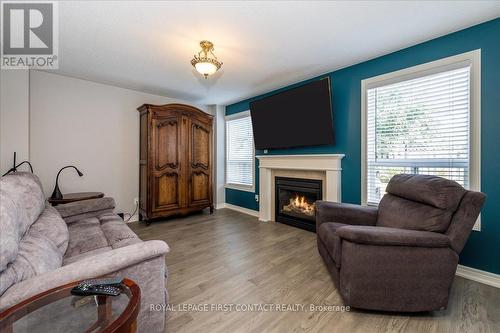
[
  {"x": 78, "y": 210},
  {"x": 12, "y": 221},
  {"x": 430, "y": 190},
  {"x": 21, "y": 202},
  {"x": 85, "y": 235},
  {"x": 25, "y": 189},
  {"x": 117, "y": 232},
  {"x": 327, "y": 234},
  {"x": 37, "y": 254},
  {"x": 90, "y": 234},
  {"x": 114, "y": 230},
  {"x": 51, "y": 225},
  {"x": 81, "y": 256},
  {"x": 396, "y": 212}
]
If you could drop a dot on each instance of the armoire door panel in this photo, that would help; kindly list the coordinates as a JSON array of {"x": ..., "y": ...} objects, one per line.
[
  {"x": 199, "y": 169},
  {"x": 166, "y": 140},
  {"x": 166, "y": 191},
  {"x": 200, "y": 140},
  {"x": 199, "y": 187}
]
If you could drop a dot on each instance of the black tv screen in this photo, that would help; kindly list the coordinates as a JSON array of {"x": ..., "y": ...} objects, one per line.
[{"x": 296, "y": 117}]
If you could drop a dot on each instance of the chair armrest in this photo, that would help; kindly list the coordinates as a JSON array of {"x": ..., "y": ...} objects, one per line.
[
  {"x": 78, "y": 210},
  {"x": 91, "y": 267},
  {"x": 392, "y": 236},
  {"x": 327, "y": 211}
]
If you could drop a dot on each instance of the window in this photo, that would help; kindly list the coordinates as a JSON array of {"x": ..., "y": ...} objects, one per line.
[
  {"x": 239, "y": 152},
  {"x": 423, "y": 120}
]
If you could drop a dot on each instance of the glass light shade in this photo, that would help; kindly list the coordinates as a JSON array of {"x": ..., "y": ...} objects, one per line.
[{"x": 206, "y": 68}]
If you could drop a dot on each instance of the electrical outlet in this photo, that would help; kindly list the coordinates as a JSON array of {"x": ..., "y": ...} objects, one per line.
[
  {"x": 136, "y": 201},
  {"x": 265, "y": 151},
  {"x": 257, "y": 197}
]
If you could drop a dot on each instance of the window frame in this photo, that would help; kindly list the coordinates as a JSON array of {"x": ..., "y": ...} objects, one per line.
[
  {"x": 472, "y": 59},
  {"x": 239, "y": 187}
]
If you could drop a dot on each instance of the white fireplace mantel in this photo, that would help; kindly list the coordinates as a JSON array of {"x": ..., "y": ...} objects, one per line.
[{"x": 330, "y": 164}]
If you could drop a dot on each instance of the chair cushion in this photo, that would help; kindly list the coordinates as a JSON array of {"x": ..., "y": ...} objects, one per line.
[
  {"x": 51, "y": 225},
  {"x": 430, "y": 190},
  {"x": 396, "y": 212},
  {"x": 37, "y": 254},
  {"x": 327, "y": 233},
  {"x": 393, "y": 237},
  {"x": 21, "y": 202}
]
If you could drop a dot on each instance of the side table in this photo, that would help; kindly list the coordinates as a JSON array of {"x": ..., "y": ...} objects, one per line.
[{"x": 79, "y": 196}]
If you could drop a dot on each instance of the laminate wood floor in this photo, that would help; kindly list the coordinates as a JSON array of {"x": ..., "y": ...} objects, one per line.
[{"x": 229, "y": 257}]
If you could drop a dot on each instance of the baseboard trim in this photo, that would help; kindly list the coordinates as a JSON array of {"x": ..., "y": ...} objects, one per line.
[
  {"x": 478, "y": 275},
  {"x": 240, "y": 209}
]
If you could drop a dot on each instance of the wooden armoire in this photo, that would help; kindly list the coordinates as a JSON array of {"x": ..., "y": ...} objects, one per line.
[{"x": 175, "y": 167}]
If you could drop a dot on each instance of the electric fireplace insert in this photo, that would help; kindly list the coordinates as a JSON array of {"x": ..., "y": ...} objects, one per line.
[{"x": 296, "y": 201}]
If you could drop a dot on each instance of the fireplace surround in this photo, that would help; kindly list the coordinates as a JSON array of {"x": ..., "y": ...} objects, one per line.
[
  {"x": 295, "y": 201},
  {"x": 311, "y": 166}
]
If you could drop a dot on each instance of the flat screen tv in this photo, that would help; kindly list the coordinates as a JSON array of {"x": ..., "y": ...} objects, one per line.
[{"x": 296, "y": 117}]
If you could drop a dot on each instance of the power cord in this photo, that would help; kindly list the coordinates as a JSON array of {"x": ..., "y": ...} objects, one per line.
[{"x": 130, "y": 215}]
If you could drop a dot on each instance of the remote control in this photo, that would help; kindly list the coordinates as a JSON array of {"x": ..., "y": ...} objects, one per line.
[
  {"x": 113, "y": 281},
  {"x": 86, "y": 290}
]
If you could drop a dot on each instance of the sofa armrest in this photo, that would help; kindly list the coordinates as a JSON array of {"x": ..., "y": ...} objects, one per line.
[
  {"x": 78, "y": 210},
  {"x": 392, "y": 236},
  {"x": 115, "y": 260},
  {"x": 327, "y": 211}
]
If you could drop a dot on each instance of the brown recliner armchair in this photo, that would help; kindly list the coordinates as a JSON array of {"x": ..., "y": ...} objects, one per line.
[{"x": 401, "y": 256}]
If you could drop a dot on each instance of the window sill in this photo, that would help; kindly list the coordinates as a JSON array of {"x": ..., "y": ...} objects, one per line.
[{"x": 238, "y": 187}]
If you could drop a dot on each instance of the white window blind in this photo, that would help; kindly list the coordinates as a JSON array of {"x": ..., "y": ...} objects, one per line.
[
  {"x": 239, "y": 152},
  {"x": 418, "y": 126}
]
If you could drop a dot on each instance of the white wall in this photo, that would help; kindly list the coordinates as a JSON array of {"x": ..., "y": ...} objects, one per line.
[
  {"x": 220, "y": 159},
  {"x": 93, "y": 126},
  {"x": 14, "y": 118}
]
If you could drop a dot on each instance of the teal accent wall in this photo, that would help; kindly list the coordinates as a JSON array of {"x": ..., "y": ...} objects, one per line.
[{"x": 482, "y": 249}]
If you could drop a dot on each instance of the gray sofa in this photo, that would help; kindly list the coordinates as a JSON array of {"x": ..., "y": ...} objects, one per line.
[
  {"x": 42, "y": 247},
  {"x": 401, "y": 256}
]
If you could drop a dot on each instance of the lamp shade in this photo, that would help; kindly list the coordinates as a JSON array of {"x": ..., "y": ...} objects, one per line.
[{"x": 206, "y": 68}]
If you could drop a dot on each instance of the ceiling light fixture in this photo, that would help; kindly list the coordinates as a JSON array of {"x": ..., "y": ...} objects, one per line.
[{"x": 206, "y": 62}]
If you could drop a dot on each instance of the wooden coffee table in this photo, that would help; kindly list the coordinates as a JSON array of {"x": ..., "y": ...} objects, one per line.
[{"x": 56, "y": 310}]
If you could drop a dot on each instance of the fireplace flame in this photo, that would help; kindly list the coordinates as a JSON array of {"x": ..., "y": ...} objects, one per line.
[{"x": 299, "y": 204}]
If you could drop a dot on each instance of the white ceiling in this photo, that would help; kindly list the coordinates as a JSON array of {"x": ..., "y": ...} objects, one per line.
[{"x": 147, "y": 45}]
